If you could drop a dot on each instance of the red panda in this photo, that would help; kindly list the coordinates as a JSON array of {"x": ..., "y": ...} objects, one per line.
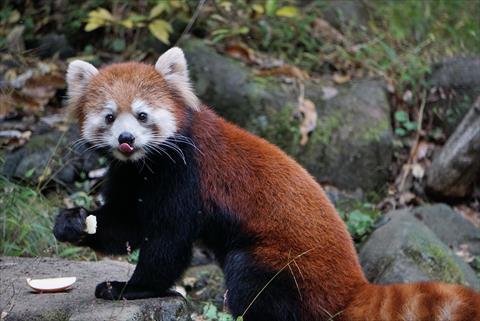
[{"x": 180, "y": 173}]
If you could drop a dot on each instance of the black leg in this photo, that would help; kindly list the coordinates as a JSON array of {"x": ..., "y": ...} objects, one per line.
[
  {"x": 245, "y": 279},
  {"x": 161, "y": 262}
]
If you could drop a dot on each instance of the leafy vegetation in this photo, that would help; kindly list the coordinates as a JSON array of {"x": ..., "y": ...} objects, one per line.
[
  {"x": 26, "y": 222},
  {"x": 360, "y": 219}
]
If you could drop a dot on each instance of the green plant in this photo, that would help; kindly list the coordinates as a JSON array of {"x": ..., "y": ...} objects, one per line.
[
  {"x": 26, "y": 222},
  {"x": 211, "y": 313},
  {"x": 405, "y": 125},
  {"x": 359, "y": 220},
  {"x": 158, "y": 27}
]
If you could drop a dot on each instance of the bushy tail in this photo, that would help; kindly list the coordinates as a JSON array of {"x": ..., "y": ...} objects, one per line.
[{"x": 414, "y": 302}]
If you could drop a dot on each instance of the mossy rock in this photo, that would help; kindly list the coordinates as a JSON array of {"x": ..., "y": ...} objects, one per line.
[
  {"x": 351, "y": 146},
  {"x": 405, "y": 250},
  {"x": 50, "y": 155}
]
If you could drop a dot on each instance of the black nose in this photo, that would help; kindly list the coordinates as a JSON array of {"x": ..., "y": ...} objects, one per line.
[{"x": 126, "y": 137}]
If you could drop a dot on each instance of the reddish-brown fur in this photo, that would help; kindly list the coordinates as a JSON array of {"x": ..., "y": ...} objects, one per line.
[{"x": 278, "y": 201}]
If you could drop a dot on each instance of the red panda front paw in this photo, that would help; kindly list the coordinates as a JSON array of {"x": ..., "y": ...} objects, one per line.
[
  {"x": 110, "y": 290},
  {"x": 70, "y": 225}
]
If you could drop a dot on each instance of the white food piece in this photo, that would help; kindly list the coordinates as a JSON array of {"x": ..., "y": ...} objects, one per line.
[
  {"x": 51, "y": 285},
  {"x": 180, "y": 290},
  {"x": 91, "y": 222}
]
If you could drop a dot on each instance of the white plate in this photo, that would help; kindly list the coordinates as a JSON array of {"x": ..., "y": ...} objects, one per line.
[{"x": 51, "y": 285}]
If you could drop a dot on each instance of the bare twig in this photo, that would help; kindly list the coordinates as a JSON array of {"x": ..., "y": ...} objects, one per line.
[
  {"x": 413, "y": 151},
  {"x": 194, "y": 17}
]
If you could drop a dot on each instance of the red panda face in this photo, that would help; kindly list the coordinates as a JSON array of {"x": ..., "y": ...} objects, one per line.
[{"x": 131, "y": 108}]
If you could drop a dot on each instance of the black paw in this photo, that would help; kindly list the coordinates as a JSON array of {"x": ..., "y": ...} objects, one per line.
[
  {"x": 110, "y": 290},
  {"x": 70, "y": 225},
  {"x": 114, "y": 290}
]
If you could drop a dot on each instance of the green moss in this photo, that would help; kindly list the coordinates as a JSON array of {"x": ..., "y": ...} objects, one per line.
[
  {"x": 375, "y": 133},
  {"x": 326, "y": 126},
  {"x": 281, "y": 129},
  {"x": 434, "y": 261}
]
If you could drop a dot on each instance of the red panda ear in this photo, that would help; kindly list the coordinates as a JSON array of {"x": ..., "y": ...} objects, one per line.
[
  {"x": 172, "y": 65},
  {"x": 79, "y": 74}
]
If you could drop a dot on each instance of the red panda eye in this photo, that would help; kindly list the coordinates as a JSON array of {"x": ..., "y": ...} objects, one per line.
[
  {"x": 142, "y": 117},
  {"x": 109, "y": 119}
]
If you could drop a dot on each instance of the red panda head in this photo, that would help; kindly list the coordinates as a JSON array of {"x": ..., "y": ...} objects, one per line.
[{"x": 131, "y": 108}]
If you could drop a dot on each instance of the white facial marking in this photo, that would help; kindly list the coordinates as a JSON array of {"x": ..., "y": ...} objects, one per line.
[
  {"x": 96, "y": 120},
  {"x": 161, "y": 117},
  {"x": 128, "y": 122}
]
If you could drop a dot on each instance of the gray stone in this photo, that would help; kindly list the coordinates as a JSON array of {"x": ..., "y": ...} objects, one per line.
[
  {"x": 449, "y": 226},
  {"x": 405, "y": 250},
  {"x": 204, "y": 284},
  {"x": 345, "y": 14},
  {"x": 459, "y": 77},
  {"x": 79, "y": 303},
  {"x": 351, "y": 146},
  {"x": 52, "y": 149},
  {"x": 455, "y": 169},
  {"x": 50, "y": 44}
]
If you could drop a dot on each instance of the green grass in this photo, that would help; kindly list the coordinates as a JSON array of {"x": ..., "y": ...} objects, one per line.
[{"x": 26, "y": 221}]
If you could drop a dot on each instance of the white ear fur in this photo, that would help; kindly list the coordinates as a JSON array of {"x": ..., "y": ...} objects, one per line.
[
  {"x": 172, "y": 65},
  {"x": 79, "y": 74}
]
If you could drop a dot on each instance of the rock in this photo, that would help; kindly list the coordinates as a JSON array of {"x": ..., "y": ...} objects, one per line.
[
  {"x": 449, "y": 226},
  {"x": 50, "y": 44},
  {"x": 80, "y": 303},
  {"x": 14, "y": 40},
  {"x": 405, "y": 250},
  {"x": 459, "y": 79},
  {"x": 345, "y": 14},
  {"x": 351, "y": 146},
  {"x": 50, "y": 151},
  {"x": 204, "y": 283},
  {"x": 456, "y": 168}
]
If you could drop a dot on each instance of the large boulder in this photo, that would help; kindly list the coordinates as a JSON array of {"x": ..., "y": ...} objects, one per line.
[
  {"x": 51, "y": 154},
  {"x": 405, "y": 250},
  {"x": 449, "y": 226},
  {"x": 345, "y": 14},
  {"x": 79, "y": 304},
  {"x": 351, "y": 146},
  {"x": 457, "y": 80}
]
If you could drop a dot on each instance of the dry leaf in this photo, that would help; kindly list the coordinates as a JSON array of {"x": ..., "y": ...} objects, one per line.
[
  {"x": 285, "y": 70},
  {"x": 323, "y": 29},
  {"x": 307, "y": 109},
  {"x": 463, "y": 251},
  {"x": 329, "y": 92},
  {"x": 406, "y": 198},
  {"x": 341, "y": 78},
  {"x": 241, "y": 51},
  {"x": 469, "y": 214},
  {"x": 418, "y": 171}
]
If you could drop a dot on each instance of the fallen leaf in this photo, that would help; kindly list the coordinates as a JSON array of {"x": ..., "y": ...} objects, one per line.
[
  {"x": 329, "y": 92},
  {"x": 285, "y": 70},
  {"x": 309, "y": 122},
  {"x": 469, "y": 214},
  {"x": 406, "y": 198},
  {"x": 321, "y": 28},
  {"x": 240, "y": 51},
  {"x": 463, "y": 251},
  {"x": 341, "y": 78},
  {"x": 418, "y": 171}
]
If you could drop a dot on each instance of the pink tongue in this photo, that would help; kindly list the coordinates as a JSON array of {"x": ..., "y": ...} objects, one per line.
[{"x": 124, "y": 147}]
